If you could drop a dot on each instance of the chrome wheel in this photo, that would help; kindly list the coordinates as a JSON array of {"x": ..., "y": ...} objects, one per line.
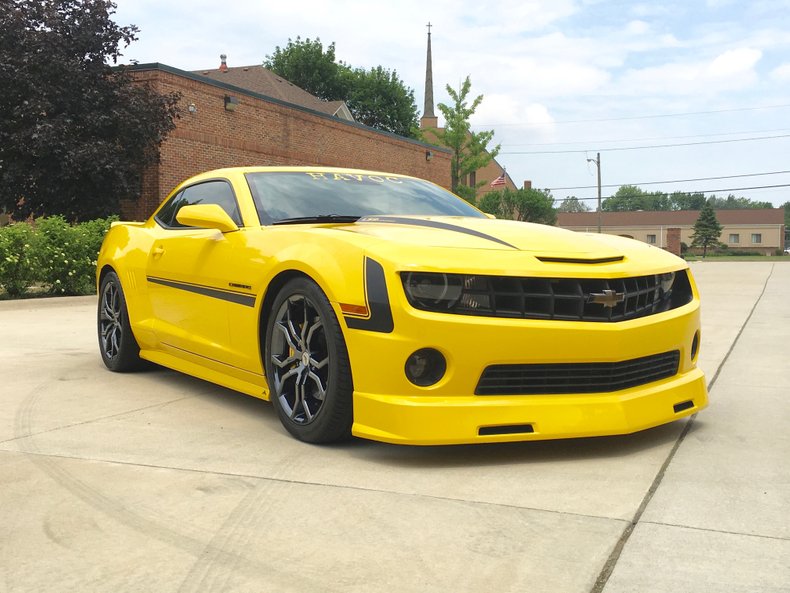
[
  {"x": 300, "y": 359},
  {"x": 110, "y": 323}
]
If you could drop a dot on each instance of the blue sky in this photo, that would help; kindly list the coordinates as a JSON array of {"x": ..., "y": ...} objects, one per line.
[{"x": 562, "y": 79}]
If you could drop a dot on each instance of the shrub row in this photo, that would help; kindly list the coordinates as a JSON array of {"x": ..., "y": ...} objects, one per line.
[{"x": 51, "y": 256}]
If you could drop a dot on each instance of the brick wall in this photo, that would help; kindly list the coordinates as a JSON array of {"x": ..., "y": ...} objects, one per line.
[
  {"x": 265, "y": 132},
  {"x": 673, "y": 240}
]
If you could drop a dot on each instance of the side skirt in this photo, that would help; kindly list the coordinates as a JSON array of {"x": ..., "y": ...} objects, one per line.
[{"x": 209, "y": 370}]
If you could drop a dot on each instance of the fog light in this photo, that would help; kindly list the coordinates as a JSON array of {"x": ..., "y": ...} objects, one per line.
[
  {"x": 425, "y": 367},
  {"x": 694, "y": 346}
]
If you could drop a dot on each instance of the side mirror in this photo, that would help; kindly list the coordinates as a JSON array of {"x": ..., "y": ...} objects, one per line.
[
  {"x": 489, "y": 215},
  {"x": 206, "y": 216}
]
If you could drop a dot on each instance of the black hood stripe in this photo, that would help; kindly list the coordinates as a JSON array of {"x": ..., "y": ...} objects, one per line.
[{"x": 436, "y": 225}]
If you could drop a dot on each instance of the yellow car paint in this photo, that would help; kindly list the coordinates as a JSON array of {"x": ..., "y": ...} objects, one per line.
[{"x": 197, "y": 298}]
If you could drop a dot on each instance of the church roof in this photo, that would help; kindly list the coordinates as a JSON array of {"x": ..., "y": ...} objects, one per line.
[{"x": 265, "y": 82}]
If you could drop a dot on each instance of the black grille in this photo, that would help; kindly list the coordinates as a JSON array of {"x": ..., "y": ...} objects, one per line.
[
  {"x": 570, "y": 299},
  {"x": 595, "y": 377}
]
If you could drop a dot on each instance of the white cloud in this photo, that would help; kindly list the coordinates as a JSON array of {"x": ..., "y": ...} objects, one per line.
[
  {"x": 736, "y": 62},
  {"x": 781, "y": 73},
  {"x": 637, "y": 27},
  {"x": 732, "y": 69}
]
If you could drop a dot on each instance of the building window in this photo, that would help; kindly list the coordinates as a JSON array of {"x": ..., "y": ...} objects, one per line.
[
  {"x": 472, "y": 178},
  {"x": 735, "y": 238},
  {"x": 651, "y": 239},
  {"x": 757, "y": 238}
]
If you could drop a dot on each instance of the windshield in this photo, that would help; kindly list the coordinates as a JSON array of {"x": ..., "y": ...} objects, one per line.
[{"x": 328, "y": 194}]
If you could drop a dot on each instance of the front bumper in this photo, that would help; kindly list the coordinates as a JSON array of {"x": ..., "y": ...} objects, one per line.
[
  {"x": 420, "y": 420},
  {"x": 387, "y": 407}
]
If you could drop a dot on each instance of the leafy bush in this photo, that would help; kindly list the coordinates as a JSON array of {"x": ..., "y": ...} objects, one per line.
[
  {"x": 58, "y": 257},
  {"x": 737, "y": 252},
  {"x": 17, "y": 271}
]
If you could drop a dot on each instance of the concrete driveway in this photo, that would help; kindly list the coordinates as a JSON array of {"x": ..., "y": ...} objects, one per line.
[{"x": 157, "y": 482}]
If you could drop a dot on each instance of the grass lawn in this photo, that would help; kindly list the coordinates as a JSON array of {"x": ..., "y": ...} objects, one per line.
[{"x": 714, "y": 258}]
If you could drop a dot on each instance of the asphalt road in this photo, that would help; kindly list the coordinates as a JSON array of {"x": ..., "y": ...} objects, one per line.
[{"x": 157, "y": 482}]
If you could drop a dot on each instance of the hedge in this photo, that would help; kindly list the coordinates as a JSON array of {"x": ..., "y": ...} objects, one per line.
[{"x": 49, "y": 256}]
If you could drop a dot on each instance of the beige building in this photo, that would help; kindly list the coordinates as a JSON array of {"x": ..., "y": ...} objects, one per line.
[{"x": 757, "y": 230}]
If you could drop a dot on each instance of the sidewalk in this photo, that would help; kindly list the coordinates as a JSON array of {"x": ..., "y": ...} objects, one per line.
[
  {"x": 159, "y": 482},
  {"x": 719, "y": 520}
]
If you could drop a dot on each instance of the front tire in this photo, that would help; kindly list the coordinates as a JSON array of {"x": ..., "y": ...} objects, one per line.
[
  {"x": 118, "y": 348},
  {"x": 307, "y": 365}
]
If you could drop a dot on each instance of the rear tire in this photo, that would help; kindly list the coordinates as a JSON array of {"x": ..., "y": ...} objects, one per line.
[
  {"x": 118, "y": 348},
  {"x": 307, "y": 365}
]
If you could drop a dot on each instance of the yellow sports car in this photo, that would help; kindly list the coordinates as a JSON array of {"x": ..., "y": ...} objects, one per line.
[{"x": 383, "y": 306}]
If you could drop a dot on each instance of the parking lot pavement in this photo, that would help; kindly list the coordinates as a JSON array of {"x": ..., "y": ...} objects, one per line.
[{"x": 159, "y": 482}]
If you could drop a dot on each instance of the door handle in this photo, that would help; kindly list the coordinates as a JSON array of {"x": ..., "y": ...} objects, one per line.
[{"x": 158, "y": 251}]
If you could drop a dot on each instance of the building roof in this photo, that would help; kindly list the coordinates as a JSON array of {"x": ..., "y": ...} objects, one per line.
[
  {"x": 749, "y": 216},
  {"x": 265, "y": 82}
]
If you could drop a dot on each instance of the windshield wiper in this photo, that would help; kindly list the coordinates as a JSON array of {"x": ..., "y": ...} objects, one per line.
[{"x": 318, "y": 218}]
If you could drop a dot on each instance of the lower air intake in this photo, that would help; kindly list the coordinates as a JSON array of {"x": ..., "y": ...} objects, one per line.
[{"x": 594, "y": 377}]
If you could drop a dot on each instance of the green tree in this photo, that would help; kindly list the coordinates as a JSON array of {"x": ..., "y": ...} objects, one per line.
[
  {"x": 707, "y": 229},
  {"x": 687, "y": 201},
  {"x": 573, "y": 204},
  {"x": 530, "y": 205},
  {"x": 377, "y": 97},
  {"x": 629, "y": 198},
  {"x": 310, "y": 67},
  {"x": 470, "y": 149},
  {"x": 75, "y": 133},
  {"x": 732, "y": 202}
]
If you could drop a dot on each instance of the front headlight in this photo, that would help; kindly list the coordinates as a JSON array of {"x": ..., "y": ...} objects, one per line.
[
  {"x": 666, "y": 281},
  {"x": 433, "y": 291}
]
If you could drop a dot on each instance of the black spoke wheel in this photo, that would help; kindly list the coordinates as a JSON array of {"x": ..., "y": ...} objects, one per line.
[
  {"x": 119, "y": 349},
  {"x": 307, "y": 365}
]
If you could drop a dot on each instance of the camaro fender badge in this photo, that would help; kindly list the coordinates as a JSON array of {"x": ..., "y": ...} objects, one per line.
[{"x": 607, "y": 298}]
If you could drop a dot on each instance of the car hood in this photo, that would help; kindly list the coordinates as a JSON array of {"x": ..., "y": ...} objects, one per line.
[{"x": 491, "y": 234}]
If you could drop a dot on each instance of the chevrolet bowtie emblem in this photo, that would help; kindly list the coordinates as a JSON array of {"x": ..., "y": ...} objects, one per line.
[{"x": 607, "y": 298}]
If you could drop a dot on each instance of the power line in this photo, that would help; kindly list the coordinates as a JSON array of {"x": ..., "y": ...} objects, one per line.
[
  {"x": 632, "y": 117},
  {"x": 645, "y": 139},
  {"x": 672, "y": 180},
  {"x": 702, "y": 191},
  {"x": 623, "y": 148}
]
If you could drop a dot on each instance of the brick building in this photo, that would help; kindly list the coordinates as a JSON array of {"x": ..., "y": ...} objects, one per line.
[{"x": 224, "y": 124}]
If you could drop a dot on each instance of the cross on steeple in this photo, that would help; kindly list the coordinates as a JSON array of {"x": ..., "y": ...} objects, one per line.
[{"x": 429, "y": 27}]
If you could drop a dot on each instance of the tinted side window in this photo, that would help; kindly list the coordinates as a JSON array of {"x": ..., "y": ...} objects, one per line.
[{"x": 209, "y": 192}]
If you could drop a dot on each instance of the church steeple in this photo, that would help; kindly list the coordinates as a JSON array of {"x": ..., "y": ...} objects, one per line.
[{"x": 429, "y": 119}]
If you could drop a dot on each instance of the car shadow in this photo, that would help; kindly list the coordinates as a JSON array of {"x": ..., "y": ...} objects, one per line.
[{"x": 441, "y": 456}]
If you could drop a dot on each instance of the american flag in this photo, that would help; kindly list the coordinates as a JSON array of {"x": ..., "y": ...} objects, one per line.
[{"x": 498, "y": 182}]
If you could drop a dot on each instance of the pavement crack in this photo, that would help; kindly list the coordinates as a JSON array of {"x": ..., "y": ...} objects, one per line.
[
  {"x": 324, "y": 485},
  {"x": 722, "y": 531},
  {"x": 614, "y": 556},
  {"x": 18, "y": 437}
]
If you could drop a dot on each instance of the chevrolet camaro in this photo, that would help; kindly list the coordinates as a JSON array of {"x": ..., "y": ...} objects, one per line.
[{"x": 383, "y": 306}]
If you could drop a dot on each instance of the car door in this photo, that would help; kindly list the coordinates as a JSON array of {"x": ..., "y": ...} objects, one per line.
[{"x": 197, "y": 282}]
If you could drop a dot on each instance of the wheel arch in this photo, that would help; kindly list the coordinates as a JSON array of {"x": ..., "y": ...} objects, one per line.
[
  {"x": 103, "y": 271},
  {"x": 272, "y": 290}
]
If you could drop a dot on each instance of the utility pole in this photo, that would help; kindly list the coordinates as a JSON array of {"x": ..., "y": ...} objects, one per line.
[{"x": 597, "y": 161}]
